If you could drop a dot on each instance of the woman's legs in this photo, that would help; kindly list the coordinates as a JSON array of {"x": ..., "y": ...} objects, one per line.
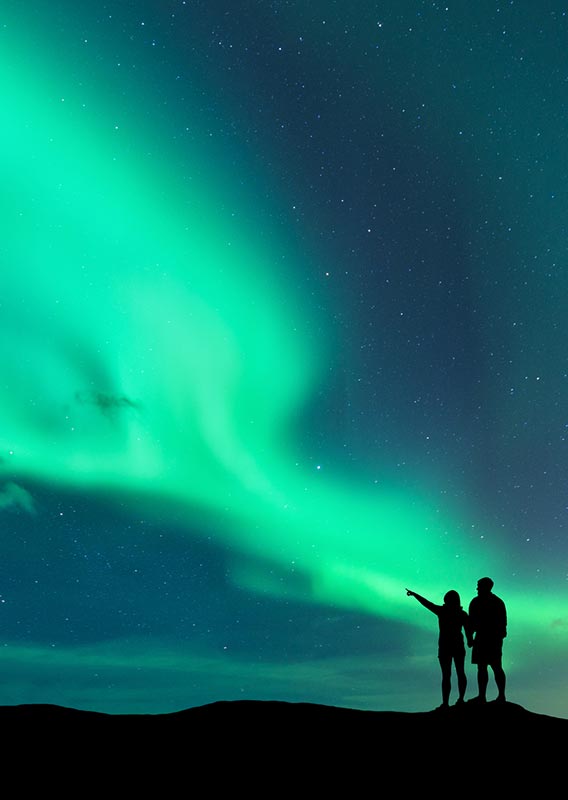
[
  {"x": 446, "y": 666},
  {"x": 459, "y": 661}
]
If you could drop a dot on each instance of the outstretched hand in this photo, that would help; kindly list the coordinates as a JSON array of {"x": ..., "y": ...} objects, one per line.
[{"x": 409, "y": 593}]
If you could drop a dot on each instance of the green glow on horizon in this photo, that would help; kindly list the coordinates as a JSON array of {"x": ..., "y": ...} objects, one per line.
[{"x": 155, "y": 350}]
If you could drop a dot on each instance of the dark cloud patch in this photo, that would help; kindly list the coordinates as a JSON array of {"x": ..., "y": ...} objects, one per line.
[{"x": 108, "y": 404}]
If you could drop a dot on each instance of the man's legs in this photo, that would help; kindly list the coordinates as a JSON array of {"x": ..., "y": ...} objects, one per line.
[
  {"x": 482, "y": 679},
  {"x": 500, "y": 680}
]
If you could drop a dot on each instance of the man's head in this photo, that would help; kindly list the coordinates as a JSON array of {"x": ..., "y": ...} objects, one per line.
[{"x": 484, "y": 586}]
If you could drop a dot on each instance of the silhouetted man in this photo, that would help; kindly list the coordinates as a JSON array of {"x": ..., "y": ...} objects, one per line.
[{"x": 488, "y": 620}]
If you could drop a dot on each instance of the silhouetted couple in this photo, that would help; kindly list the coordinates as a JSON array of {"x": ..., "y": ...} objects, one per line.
[{"x": 485, "y": 627}]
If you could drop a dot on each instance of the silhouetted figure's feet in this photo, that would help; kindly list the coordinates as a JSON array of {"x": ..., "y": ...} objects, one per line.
[
  {"x": 443, "y": 707},
  {"x": 500, "y": 699},
  {"x": 477, "y": 700},
  {"x": 460, "y": 702}
]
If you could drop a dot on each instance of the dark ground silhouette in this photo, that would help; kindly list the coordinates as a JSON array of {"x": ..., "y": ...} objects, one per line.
[{"x": 283, "y": 749}]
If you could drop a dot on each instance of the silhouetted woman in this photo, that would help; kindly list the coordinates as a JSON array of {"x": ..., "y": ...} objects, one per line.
[{"x": 451, "y": 619}]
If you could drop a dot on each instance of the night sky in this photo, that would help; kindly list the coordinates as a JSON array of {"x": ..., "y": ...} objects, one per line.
[{"x": 283, "y": 331}]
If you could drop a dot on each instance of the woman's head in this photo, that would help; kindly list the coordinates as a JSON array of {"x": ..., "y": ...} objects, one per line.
[{"x": 452, "y": 598}]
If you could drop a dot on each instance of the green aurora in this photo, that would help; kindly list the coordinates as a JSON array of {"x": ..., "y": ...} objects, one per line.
[{"x": 155, "y": 347}]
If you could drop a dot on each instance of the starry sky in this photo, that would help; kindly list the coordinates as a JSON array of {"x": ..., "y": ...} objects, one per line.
[{"x": 282, "y": 331}]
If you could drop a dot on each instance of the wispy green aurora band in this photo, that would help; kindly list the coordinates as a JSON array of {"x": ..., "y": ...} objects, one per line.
[{"x": 150, "y": 345}]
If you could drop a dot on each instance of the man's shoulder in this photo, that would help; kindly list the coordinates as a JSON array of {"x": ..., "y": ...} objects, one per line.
[
  {"x": 486, "y": 601},
  {"x": 497, "y": 600}
]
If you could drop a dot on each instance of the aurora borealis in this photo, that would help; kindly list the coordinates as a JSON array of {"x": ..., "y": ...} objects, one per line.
[{"x": 282, "y": 328}]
